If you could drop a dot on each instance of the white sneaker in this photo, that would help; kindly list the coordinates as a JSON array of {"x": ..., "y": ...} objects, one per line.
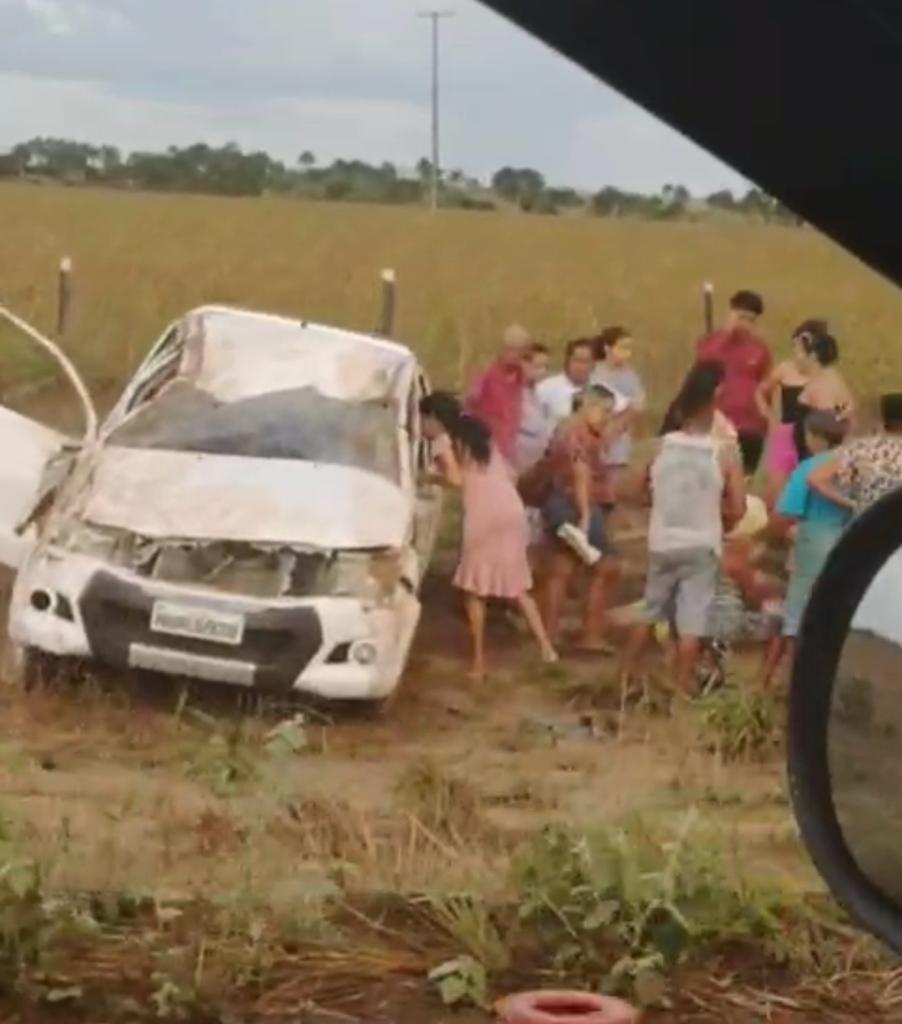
[{"x": 578, "y": 542}]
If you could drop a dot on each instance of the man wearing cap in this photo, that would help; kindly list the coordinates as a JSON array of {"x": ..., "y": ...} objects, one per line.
[{"x": 496, "y": 396}]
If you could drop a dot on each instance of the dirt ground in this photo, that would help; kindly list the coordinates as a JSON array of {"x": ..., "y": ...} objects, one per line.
[
  {"x": 143, "y": 787},
  {"x": 115, "y": 782}
]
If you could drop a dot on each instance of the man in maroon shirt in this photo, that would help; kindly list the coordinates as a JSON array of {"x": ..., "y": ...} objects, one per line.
[
  {"x": 496, "y": 396},
  {"x": 746, "y": 360}
]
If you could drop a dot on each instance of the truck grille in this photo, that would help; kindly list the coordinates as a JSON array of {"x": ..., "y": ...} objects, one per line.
[{"x": 278, "y": 643}]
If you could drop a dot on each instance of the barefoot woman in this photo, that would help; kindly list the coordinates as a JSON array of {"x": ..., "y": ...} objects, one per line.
[{"x": 493, "y": 561}]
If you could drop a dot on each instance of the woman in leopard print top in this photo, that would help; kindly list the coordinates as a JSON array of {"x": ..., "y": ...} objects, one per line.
[{"x": 867, "y": 468}]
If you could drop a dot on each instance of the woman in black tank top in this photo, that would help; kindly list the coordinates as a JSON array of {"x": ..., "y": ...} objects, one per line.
[
  {"x": 826, "y": 390},
  {"x": 798, "y": 431},
  {"x": 789, "y": 402}
]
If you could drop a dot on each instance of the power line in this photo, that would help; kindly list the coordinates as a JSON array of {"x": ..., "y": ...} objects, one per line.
[{"x": 436, "y": 18}]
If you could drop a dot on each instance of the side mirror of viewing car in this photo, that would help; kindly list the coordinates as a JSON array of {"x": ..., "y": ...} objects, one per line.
[{"x": 845, "y": 722}]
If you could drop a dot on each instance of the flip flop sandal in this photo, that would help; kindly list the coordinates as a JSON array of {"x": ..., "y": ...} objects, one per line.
[{"x": 564, "y": 1008}]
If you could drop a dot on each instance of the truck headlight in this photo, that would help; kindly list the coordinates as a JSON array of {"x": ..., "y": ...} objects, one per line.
[{"x": 372, "y": 577}]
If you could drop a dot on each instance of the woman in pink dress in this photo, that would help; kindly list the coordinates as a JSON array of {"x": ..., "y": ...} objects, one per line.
[{"x": 493, "y": 560}]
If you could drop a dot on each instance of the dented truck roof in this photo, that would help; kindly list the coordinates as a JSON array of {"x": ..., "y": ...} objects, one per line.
[{"x": 235, "y": 354}]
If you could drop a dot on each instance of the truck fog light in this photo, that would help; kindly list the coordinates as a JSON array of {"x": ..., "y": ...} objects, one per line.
[{"x": 364, "y": 652}]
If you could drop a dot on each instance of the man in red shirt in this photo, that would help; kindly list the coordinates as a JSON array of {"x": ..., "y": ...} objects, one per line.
[
  {"x": 746, "y": 360},
  {"x": 497, "y": 394}
]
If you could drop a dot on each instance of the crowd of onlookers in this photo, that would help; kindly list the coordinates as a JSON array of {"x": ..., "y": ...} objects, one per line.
[{"x": 549, "y": 479}]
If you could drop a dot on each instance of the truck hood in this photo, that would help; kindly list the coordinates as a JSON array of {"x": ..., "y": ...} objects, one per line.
[{"x": 185, "y": 495}]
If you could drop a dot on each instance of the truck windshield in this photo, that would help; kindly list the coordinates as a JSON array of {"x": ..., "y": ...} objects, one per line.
[{"x": 301, "y": 424}]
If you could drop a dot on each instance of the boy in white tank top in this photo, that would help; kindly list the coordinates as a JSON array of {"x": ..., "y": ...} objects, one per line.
[{"x": 696, "y": 486}]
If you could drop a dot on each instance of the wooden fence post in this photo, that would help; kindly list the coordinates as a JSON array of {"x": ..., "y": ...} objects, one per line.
[
  {"x": 64, "y": 298},
  {"x": 708, "y": 300},
  {"x": 389, "y": 303}
]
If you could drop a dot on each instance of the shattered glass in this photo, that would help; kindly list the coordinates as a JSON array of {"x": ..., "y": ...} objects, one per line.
[{"x": 298, "y": 424}]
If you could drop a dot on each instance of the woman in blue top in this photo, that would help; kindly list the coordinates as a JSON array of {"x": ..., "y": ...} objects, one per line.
[{"x": 819, "y": 523}]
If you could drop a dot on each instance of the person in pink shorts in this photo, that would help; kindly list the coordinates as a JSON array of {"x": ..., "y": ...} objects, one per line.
[
  {"x": 493, "y": 559},
  {"x": 779, "y": 399}
]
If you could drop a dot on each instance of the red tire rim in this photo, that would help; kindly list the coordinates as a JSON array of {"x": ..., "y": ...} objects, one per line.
[{"x": 565, "y": 1008}]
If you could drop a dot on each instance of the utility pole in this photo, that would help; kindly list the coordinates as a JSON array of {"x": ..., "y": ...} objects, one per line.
[{"x": 436, "y": 18}]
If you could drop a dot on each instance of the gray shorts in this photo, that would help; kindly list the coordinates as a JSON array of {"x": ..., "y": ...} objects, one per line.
[{"x": 680, "y": 589}]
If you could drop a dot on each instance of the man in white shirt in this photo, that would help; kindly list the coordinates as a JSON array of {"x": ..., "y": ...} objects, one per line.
[{"x": 556, "y": 393}]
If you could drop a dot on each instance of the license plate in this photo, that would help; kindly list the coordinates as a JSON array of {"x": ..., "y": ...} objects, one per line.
[{"x": 197, "y": 623}]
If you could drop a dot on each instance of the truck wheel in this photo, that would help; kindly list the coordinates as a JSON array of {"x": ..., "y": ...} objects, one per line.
[
  {"x": 380, "y": 708},
  {"x": 375, "y": 710},
  {"x": 12, "y": 661},
  {"x": 27, "y": 668}
]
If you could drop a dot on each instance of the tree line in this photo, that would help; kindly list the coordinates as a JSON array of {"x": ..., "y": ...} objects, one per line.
[{"x": 228, "y": 170}]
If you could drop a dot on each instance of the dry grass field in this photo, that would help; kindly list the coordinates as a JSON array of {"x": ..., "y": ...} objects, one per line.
[
  {"x": 162, "y": 857},
  {"x": 141, "y": 259}
]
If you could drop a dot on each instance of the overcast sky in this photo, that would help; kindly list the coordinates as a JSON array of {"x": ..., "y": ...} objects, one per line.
[{"x": 341, "y": 77}]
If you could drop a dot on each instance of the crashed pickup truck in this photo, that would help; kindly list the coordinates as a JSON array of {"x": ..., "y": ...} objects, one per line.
[{"x": 253, "y": 511}]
